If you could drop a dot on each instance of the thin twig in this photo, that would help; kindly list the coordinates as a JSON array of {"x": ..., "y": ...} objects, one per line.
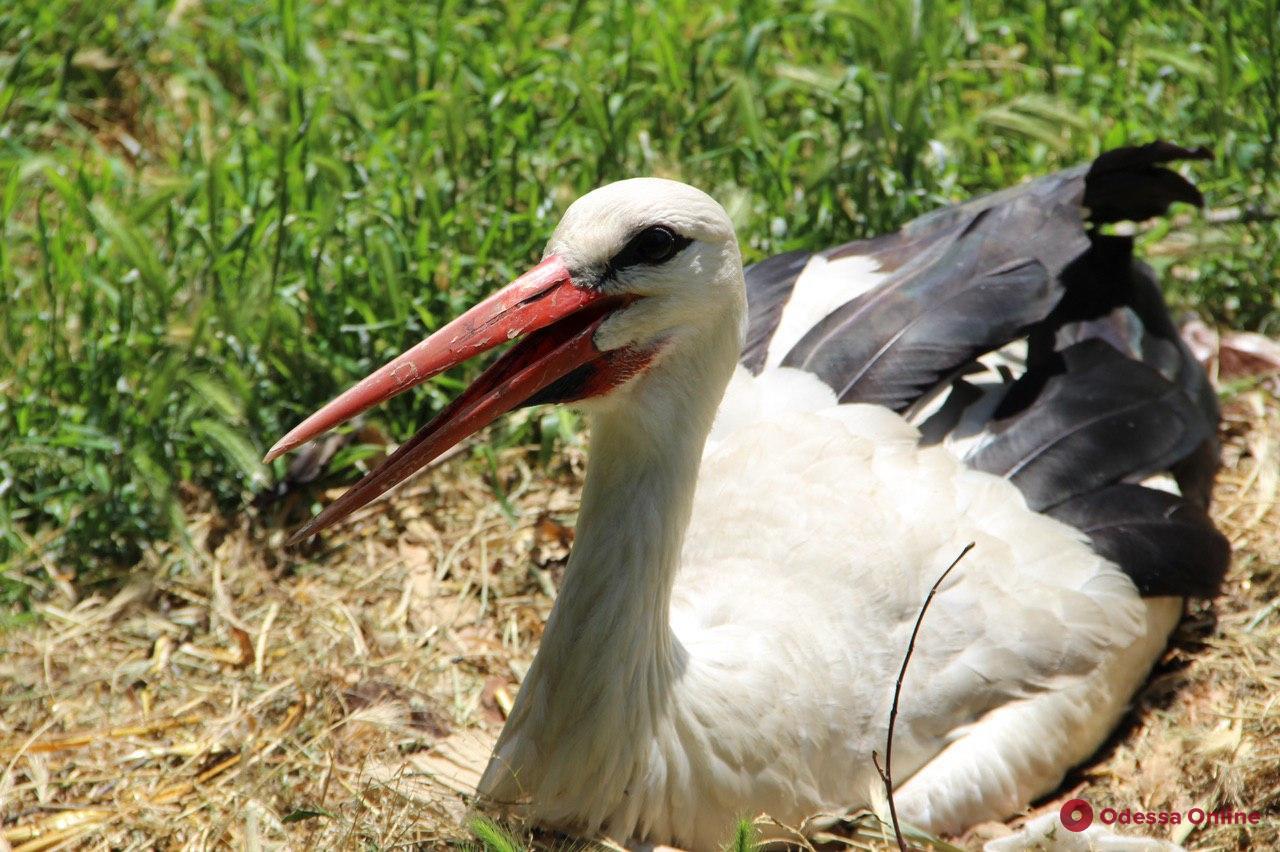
[{"x": 886, "y": 773}]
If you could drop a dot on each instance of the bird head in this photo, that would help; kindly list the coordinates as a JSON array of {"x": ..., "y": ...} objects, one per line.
[{"x": 634, "y": 272}]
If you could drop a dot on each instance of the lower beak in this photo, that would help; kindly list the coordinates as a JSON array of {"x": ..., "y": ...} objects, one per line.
[{"x": 558, "y": 320}]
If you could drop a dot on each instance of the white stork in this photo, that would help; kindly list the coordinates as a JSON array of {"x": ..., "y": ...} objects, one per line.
[{"x": 782, "y": 464}]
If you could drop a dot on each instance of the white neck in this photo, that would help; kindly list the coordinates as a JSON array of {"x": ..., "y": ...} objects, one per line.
[{"x": 602, "y": 683}]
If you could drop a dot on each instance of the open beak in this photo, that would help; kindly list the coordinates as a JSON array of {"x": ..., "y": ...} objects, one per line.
[{"x": 557, "y": 361}]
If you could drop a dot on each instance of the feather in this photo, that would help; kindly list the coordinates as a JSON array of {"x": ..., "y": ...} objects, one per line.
[
  {"x": 938, "y": 255},
  {"x": 1088, "y": 419},
  {"x": 769, "y": 285},
  {"x": 892, "y": 344},
  {"x": 1111, "y": 296},
  {"x": 1166, "y": 545},
  {"x": 1114, "y": 298},
  {"x": 1129, "y": 183}
]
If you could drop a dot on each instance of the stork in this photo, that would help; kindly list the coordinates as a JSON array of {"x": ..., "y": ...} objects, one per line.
[{"x": 781, "y": 464}]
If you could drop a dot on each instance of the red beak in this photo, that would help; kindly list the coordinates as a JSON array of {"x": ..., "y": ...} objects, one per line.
[{"x": 560, "y": 320}]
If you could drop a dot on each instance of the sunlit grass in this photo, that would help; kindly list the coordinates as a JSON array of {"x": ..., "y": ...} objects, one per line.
[
  {"x": 215, "y": 215},
  {"x": 492, "y": 837}
]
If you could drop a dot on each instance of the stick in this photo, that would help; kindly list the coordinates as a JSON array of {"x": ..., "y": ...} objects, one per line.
[
  {"x": 886, "y": 773},
  {"x": 80, "y": 740}
]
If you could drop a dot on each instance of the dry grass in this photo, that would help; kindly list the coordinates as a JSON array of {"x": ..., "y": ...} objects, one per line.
[
  {"x": 231, "y": 685},
  {"x": 233, "y": 695}
]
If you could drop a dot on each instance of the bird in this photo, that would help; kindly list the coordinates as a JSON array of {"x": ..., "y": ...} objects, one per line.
[{"x": 783, "y": 460}]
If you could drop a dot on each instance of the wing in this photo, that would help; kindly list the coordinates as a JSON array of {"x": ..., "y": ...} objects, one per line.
[{"x": 1034, "y": 346}]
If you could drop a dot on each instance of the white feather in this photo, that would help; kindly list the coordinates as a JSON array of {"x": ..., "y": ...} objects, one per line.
[{"x": 822, "y": 286}]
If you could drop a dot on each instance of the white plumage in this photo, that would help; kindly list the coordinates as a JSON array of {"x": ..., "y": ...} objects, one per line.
[
  {"x": 749, "y": 562},
  {"x": 747, "y": 666},
  {"x": 815, "y": 533}
]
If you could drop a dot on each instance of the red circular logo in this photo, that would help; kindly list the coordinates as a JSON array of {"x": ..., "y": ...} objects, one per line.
[{"x": 1076, "y": 815}]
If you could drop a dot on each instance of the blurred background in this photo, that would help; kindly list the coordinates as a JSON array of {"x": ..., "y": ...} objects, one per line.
[{"x": 215, "y": 215}]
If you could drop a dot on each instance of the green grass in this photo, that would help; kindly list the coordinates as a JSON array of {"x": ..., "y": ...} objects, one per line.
[
  {"x": 493, "y": 837},
  {"x": 214, "y": 215}
]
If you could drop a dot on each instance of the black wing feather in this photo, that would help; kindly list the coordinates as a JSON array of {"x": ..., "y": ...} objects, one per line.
[
  {"x": 1165, "y": 544},
  {"x": 1089, "y": 420},
  {"x": 890, "y": 345},
  {"x": 1130, "y": 184},
  {"x": 972, "y": 283},
  {"x": 874, "y": 349}
]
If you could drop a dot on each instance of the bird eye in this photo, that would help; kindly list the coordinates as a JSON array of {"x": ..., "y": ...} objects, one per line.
[{"x": 656, "y": 244}]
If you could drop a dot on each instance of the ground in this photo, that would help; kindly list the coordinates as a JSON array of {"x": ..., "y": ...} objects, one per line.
[{"x": 265, "y": 698}]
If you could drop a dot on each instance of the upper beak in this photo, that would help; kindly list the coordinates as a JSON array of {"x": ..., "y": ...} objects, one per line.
[{"x": 560, "y": 320}]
